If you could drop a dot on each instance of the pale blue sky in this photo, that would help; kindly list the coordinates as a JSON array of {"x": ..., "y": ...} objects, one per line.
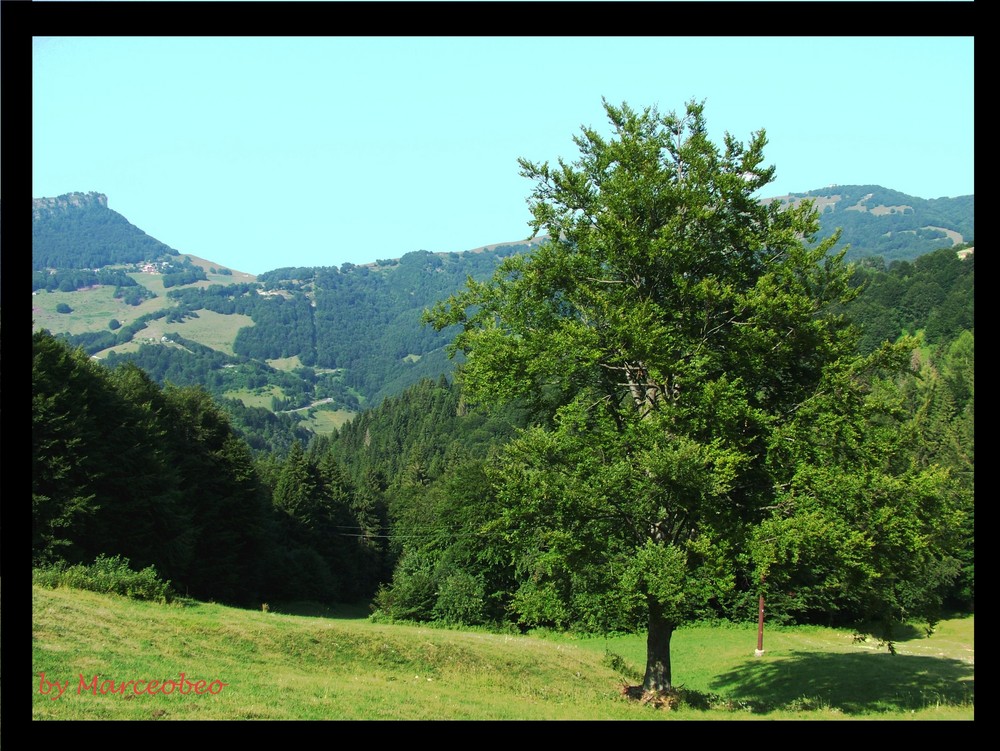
[{"x": 262, "y": 152}]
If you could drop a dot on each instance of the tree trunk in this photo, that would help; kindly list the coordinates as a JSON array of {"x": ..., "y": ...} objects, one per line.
[{"x": 657, "y": 649}]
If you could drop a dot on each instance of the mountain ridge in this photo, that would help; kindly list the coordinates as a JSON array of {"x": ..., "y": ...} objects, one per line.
[
  {"x": 344, "y": 338},
  {"x": 874, "y": 202}
]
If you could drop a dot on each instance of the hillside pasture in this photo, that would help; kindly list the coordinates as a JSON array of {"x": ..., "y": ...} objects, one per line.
[
  {"x": 236, "y": 277},
  {"x": 286, "y": 364},
  {"x": 326, "y": 421},
  {"x": 154, "y": 282},
  {"x": 256, "y": 397},
  {"x": 276, "y": 665},
  {"x": 92, "y": 309},
  {"x": 214, "y": 330}
]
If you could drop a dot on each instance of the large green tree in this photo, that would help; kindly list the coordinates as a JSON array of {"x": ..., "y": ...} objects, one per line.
[{"x": 672, "y": 324}]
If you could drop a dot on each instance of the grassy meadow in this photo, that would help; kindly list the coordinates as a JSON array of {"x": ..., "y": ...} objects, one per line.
[
  {"x": 297, "y": 662},
  {"x": 94, "y": 308},
  {"x": 326, "y": 421}
]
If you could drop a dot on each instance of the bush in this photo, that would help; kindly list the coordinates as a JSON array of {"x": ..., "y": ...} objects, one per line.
[
  {"x": 108, "y": 576},
  {"x": 63, "y": 308},
  {"x": 411, "y": 595},
  {"x": 461, "y": 600}
]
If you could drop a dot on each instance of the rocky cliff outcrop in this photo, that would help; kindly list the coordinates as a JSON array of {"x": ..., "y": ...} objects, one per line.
[{"x": 42, "y": 206}]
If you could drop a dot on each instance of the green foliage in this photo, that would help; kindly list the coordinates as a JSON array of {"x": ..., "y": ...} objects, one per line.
[
  {"x": 413, "y": 593},
  {"x": 422, "y": 589},
  {"x": 677, "y": 333},
  {"x": 325, "y": 522},
  {"x": 450, "y": 563},
  {"x": 63, "y": 308},
  {"x": 461, "y": 599},
  {"x": 425, "y": 429},
  {"x": 157, "y": 475},
  {"x": 859, "y": 527},
  {"x": 935, "y": 293},
  {"x": 282, "y": 328},
  {"x": 108, "y": 575},
  {"x": 941, "y": 434},
  {"x": 539, "y": 603},
  {"x": 65, "y": 436},
  {"x": 122, "y": 467},
  {"x": 133, "y": 295},
  {"x": 70, "y": 280},
  {"x": 682, "y": 358}
]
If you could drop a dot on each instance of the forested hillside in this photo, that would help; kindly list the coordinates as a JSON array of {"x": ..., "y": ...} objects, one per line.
[
  {"x": 934, "y": 294},
  {"x": 348, "y": 337},
  {"x": 158, "y": 475},
  {"x": 79, "y": 231},
  {"x": 876, "y": 221},
  {"x": 330, "y": 517},
  {"x": 438, "y": 487},
  {"x": 343, "y": 339}
]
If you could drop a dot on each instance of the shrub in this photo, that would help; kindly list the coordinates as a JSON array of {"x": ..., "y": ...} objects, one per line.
[
  {"x": 108, "y": 576},
  {"x": 461, "y": 600},
  {"x": 411, "y": 595}
]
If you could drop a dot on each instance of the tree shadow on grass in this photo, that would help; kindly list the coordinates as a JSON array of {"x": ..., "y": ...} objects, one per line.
[
  {"x": 901, "y": 632},
  {"x": 855, "y": 684}
]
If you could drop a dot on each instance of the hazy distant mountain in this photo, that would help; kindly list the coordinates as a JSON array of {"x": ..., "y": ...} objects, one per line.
[
  {"x": 78, "y": 230},
  {"x": 877, "y": 221}
]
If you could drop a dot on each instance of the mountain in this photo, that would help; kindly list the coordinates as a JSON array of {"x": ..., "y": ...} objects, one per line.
[
  {"x": 310, "y": 345},
  {"x": 318, "y": 344},
  {"x": 876, "y": 221},
  {"x": 79, "y": 231}
]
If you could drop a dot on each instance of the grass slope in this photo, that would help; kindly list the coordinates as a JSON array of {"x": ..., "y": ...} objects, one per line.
[
  {"x": 342, "y": 666},
  {"x": 94, "y": 308}
]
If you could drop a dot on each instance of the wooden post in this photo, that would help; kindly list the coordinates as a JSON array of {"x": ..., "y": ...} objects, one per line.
[{"x": 760, "y": 627}]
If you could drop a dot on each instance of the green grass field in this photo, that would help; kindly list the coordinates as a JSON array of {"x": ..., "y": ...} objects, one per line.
[
  {"x": 336, "y": 664},
  {"x": 261, "y": 397},
  {"x": 92, "y": 310},
  {"x": 326, "y": 421},
  {"x": 286, "y": 364}
]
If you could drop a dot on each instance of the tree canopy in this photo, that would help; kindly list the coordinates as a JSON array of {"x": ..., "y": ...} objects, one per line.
[{"x": 673, "y": 335}]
